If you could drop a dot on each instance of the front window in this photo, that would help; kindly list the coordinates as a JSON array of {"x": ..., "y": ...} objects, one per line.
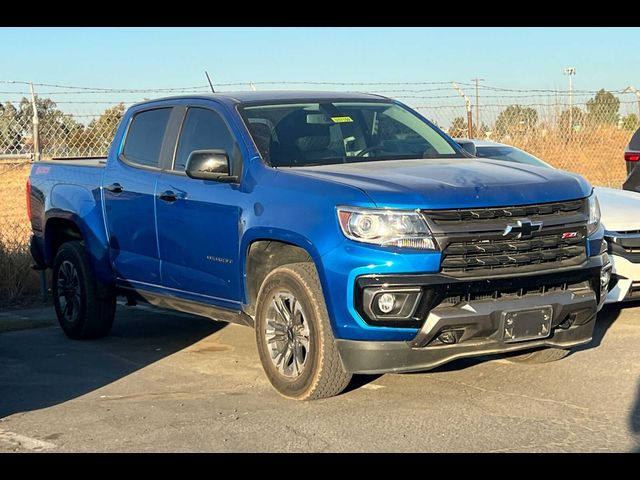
[
  {"x": 509, "y": 154},
  {"x": 305, "y": 134}
]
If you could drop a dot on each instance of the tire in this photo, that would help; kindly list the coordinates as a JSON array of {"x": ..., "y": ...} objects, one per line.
[
  {"x": 299, "y": 355},
  {"x": 545, "y": 355},
  {"x": 84, "y": 306}
]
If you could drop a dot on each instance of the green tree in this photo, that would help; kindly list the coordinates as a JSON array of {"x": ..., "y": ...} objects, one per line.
[
  {"x": 516, "y": 119},
  {"x": 603, "y": 108},
  {"x": 458, "y": 127},
  {"x": 630, "y": 122},
  {"x": 11, "y": 131},
  {"x": 101, "y": 131},
  {"x": 57, "y": 131},
  {"x": 576, "y": 115}
]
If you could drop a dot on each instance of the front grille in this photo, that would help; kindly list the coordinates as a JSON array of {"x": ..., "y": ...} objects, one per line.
[
  {"x": 443, "y": 217},
  {"x": 474, "y": 242},
  {"x": 628, "y": 241},
  {"x": 480, "y": 254}
]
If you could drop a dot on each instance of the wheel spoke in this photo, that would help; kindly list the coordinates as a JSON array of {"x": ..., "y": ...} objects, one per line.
[
  {"x": 68, "y": 308},
  {"x": 277, "y": 326},
  {"x": 281, "y": 357},
  {"x": 298, "y": 359},
  {"x": 276, "y": 337},
  {"x": 281, "y": 308},
  {"x": 303, "y": 341},
  {"x": 75, "y": 309}
]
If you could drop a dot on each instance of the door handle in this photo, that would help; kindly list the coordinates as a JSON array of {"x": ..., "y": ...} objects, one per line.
[
  {"x": 115, "y": 188},
  {"x": 168, "y": 196}
]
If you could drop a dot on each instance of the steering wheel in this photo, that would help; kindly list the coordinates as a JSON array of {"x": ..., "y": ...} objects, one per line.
[{"x": 372, "y": 148}]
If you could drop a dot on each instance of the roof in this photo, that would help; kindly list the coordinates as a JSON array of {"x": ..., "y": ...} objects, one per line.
[
  {"x": 276, "y": 96},
  {"x": 481, "y": 143}
]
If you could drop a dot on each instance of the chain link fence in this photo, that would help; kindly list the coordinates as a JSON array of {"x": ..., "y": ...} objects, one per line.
[{"x": 583, "y": 132}]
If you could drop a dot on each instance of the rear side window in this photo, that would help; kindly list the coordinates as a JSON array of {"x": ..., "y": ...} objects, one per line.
[
  {"x": 202, "y": 129},
  {"x": 144, "y": 139}
]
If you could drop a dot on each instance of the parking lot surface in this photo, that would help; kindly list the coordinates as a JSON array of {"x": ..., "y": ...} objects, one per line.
[{"x": 165, "y": 381}]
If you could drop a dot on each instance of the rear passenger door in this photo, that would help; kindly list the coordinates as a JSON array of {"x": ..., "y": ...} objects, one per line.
[
  {"x": 198, "y": 220},
  {"x": 129, "y": 185}
]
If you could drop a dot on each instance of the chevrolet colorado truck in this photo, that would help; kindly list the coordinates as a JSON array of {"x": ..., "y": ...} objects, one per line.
[{"x": 348, "y": 230}]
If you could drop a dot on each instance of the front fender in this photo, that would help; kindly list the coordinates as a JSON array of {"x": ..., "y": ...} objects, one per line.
[
  {"x": 277, "y": 235},
  {"x": 82, "y": 207}
]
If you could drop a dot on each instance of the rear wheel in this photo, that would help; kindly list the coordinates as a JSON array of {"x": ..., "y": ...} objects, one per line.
[
  {"x": 545, "y": 355},
  {"x": 84, "y": 306},
  {"x": 294, "y": 336}
]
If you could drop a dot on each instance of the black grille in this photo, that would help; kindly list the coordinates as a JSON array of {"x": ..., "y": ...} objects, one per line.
[
  {"x": 480, "y": 241},
  {"x": 498, "y": 253},
  {"x": 443, "y": 217},
  {"x": 628, "y": 243}
]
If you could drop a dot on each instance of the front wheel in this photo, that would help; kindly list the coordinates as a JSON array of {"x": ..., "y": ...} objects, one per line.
[
  {"x": 545, "y": 355},
  {"x": 84, "y": 306},
  {"x": 294, "y": 336}
]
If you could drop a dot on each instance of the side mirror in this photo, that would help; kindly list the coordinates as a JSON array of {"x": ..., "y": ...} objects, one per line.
[
  {"x": 210, "y": 165},
  {"x": 468, "y": 147}
]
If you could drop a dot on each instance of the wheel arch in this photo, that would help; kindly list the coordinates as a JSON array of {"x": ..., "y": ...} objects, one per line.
[
  {"x": 262, "y": 253},
  {"x": 64, "y": 226}
]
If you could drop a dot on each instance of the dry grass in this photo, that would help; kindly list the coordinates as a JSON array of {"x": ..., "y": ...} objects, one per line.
[
  {"x": 17, "y": 280},
  {"x": 597, "y": 154}
]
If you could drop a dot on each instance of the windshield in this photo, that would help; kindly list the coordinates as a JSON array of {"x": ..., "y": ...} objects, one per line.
[
  {"x": 510, "y": 154},
  {"x": 305, "y": 134}
]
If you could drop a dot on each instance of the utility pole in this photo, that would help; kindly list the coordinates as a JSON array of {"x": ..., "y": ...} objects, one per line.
[
  {"x": 477, "y": 100},
  {"x": 467, "y": 104},
  {"x": 571, "y": 71},
  {"x": 35, "y": 122}
]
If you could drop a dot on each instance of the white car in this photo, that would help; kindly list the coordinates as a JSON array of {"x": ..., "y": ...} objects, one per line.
[{"x": 620, "y": 217}]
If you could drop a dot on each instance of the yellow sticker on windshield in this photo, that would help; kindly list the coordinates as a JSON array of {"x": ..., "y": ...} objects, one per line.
[{"x": 341, "y": 119}]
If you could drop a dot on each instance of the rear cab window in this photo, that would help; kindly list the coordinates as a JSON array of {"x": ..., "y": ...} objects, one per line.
[
  {"x": 634, "y": 144},
  {"x": 145, "y": 136}
]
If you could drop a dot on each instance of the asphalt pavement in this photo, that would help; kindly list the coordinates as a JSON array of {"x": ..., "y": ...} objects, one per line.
[{"x": 165, "y": 382}]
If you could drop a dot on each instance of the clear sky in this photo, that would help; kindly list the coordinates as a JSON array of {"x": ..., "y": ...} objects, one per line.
[
  {"x": 156, "y": 57},
  {"x": 525, "y": 58}
]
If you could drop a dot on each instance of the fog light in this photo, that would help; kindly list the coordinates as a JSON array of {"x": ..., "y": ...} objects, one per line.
[
  {"x": 390, "y": 303},
  {"x": 386, "y": 302}
]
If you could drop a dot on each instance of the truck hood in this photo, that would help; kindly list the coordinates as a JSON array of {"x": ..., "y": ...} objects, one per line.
[
  {"x": 453, "y": 183},
  {"x": 620, "y": 209}
]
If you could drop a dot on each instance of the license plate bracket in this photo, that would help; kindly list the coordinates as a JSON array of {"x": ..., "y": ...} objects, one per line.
[{"x": 526, "y": 324}]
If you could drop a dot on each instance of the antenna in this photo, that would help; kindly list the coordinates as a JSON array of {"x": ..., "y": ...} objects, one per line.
[{"x": 209, "y": 80}]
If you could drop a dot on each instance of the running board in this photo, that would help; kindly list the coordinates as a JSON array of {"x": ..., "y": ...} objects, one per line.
[{"x": 195, "y": 308}]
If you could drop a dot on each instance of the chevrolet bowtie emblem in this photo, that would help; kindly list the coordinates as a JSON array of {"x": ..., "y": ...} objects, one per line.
[{"x": 524, "y": 228}]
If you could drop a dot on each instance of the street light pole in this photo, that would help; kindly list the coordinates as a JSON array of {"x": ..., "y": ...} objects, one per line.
[
  {"x": 571, "y": 71},
  {"x": 467, "y": 104},
  {"x": 477, "y": 100}
]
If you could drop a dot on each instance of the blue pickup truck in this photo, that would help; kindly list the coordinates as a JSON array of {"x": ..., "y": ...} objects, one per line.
[{"x": 348, "y": 230}]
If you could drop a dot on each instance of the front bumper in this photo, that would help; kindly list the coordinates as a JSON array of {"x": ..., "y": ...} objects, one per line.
[
  {"x": 476, "y": 321},
  {"x": 624, "y": 251},
  {"x": 387, "y": 357}
]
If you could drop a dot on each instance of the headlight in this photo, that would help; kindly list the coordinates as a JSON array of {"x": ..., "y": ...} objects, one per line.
[
  {"x": 393, "y": 228},
  {"x": 594, "y": 214}
]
